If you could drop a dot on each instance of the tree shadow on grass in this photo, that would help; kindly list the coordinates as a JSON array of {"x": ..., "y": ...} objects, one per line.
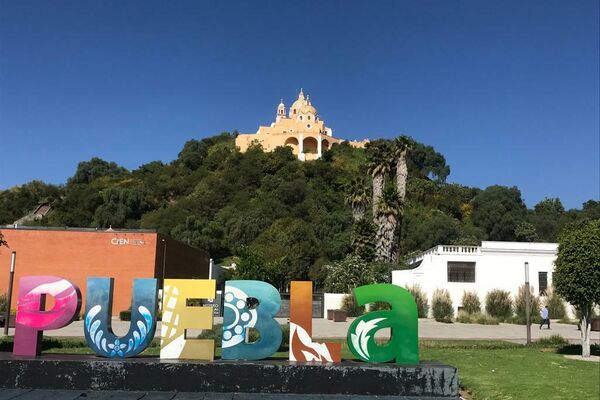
[{"x": 575, "y": 349}]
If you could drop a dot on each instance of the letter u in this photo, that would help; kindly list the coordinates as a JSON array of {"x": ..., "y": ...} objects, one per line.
[{"x": 98, "y": 312}]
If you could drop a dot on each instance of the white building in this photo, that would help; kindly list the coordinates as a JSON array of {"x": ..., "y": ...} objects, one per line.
[{"x": 480, "y": 269}]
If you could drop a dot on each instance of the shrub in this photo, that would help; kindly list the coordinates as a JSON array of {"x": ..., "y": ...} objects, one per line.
[
  {"x": 344, "y": 275},
  {"x": 521, "y": 306},
  {"x": 3, "y": 302},
  {"x": 351, "y": 307},
  {"x": 555, "y": 304},
  {"x": 441, "y": 306},
  {"x": 484, "y": 319},
  {"x": 420, "y": 299},
  {"x": 552, "y": 341},
  {"x": 379, "y": 305},
  {"x": 498, "y": 304},
  {"x": 464, "y": 317},
  {"x": 476, "y": 318},
  {"x": 470, "y": 303}
]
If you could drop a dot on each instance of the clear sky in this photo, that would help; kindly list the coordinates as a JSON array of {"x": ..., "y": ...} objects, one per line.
[{"x": 508, "y": 91}]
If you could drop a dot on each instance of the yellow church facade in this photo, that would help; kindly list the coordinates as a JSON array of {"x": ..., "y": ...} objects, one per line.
[{"x": 301, "y": 129}]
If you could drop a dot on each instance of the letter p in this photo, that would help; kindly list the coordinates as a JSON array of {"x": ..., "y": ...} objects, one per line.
[{"x": 32, "y": 319}]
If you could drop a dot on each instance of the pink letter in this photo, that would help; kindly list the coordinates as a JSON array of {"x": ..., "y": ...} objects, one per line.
[{"x": 32, "y": 320}]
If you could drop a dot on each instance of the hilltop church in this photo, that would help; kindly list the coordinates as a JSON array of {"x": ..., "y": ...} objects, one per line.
[{"x": 302, "y": 129}]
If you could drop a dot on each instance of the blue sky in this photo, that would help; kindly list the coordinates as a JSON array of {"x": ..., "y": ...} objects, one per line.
[{"x": 507, "y": 91}]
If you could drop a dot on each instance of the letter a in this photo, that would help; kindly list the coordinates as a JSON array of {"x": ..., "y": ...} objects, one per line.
[{"x": 402, "y": 320}]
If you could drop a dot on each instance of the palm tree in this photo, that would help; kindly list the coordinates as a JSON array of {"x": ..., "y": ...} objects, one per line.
[
  {"x": 402, "y": 146},
  {"x": 378, "y": 166},
  {"x": 357, "y": 196},
  {"x": 386, "y": 221}
]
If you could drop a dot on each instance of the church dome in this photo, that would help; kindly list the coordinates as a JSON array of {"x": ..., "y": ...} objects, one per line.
[{"x": 307, "y": 109}]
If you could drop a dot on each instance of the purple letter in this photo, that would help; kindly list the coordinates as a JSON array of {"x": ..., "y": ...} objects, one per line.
[{"x": 32, "y": 320}]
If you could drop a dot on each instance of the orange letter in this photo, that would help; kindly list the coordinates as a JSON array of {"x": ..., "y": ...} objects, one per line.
[{"x": 302, "y": 348}]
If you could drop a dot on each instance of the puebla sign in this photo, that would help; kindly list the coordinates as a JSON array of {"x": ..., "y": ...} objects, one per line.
[{"x": 247, "y": 304}]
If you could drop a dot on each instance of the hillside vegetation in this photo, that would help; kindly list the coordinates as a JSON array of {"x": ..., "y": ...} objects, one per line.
[{"x": 286, "y": 212}]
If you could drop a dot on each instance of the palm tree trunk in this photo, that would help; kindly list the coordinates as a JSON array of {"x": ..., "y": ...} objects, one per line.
[
  {"x": 401, "y": 178},
  {"x": 401, "y": 175},
  {"x": 377, "y": 191},
  {"x": 358, "y": 211},
  {"x": 385, "y": 237}
]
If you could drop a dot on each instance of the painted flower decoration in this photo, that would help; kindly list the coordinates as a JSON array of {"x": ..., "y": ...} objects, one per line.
[{"x": 116, "y": 348}]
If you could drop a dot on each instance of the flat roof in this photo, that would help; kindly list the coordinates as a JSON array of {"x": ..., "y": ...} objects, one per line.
[{"x": 73, "y": 229}]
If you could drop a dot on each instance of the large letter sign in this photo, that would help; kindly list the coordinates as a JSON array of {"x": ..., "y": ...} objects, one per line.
[
  {"x": 32, "y": 320},
  {"x": 250, "y": 304},
  {"x": 302, "y": 348},
  {"x": 177, "y": 317},
  {"x": 98, "y": 311},
  {"x": 403, "y": 346},
  {"x": 247, "y": 305}
]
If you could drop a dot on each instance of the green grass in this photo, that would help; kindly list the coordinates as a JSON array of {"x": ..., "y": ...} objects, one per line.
[
  {"x": 504, "y": 371},
  {"x": 490, "y": 370}
]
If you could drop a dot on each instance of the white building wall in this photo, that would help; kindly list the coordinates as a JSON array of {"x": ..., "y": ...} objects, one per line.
[
  {"x": 332, "y": 301},
  {"x": 498, "y": 265}
]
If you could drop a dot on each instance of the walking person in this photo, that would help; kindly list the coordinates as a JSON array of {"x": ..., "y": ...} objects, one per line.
[{"x": 545, "y": 317}]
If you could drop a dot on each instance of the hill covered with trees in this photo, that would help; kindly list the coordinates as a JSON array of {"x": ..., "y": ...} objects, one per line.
[{"x": 293, "y": 216}]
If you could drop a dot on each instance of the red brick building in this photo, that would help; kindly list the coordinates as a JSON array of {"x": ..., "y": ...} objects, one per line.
[{"x": 75, "y": 254}]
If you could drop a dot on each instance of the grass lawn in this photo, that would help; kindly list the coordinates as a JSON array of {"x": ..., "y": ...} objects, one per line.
[
  {"x": 488, "y": 370},
  {"x": 499, "y": 370}
]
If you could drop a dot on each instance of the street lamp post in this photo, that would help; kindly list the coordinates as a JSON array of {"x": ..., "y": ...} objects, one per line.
[
  {"x": 527, "y": 304},
  {"x": 164, "y": 264},
  {"x": 11, "y": 277}
]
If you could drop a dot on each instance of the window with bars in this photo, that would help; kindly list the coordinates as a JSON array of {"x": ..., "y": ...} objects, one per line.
[
  {"x": 461, "y": 271},
  {"x": 543, "y": 282}
]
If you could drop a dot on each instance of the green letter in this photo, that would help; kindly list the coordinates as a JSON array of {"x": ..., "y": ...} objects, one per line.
[{"x": 403, "y": 346}]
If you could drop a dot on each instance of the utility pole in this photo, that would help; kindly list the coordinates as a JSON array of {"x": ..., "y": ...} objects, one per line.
[
  {"x": 164, "y": 262},
  {"x": 527, "y": 304},
  {"x": 11, "y": 277}
]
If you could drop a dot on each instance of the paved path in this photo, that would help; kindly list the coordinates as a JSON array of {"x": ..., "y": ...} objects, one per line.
[
  {"x": 428, "y": 329},
  {"x": 25, "y": 394}
]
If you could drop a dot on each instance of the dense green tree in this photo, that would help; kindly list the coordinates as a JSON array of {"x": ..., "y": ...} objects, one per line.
[
  {"x": 363, "y": 239},
  {"x": 19, "y": 201},
  {"x": 122, "y": 207},
  {"x": 351, "y": 272},
  {"x": 425, "y": 162},
  {"x": 498, "y": 210},
  {"x": 427, "y": 228},
  {"x": 292, "y": 214},
  {"x": 292, "y": 239},
  {"x": 548, "y": 218},
  {"x": 526, "y": 232},
  {"x": 577, "y": 274},
  {"x": 88, "y": 171}
]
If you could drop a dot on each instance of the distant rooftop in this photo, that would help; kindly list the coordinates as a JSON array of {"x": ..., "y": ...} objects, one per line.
[
  {"x": 488, "y": 247},
  {"x": 75, "y": 229}
]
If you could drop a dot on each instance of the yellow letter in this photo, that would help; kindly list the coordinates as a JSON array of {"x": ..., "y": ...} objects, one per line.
[{"x": 177, "y": 317}]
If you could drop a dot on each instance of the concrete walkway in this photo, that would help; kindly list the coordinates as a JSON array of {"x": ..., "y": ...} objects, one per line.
[{"x": 428, "y": 329}]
